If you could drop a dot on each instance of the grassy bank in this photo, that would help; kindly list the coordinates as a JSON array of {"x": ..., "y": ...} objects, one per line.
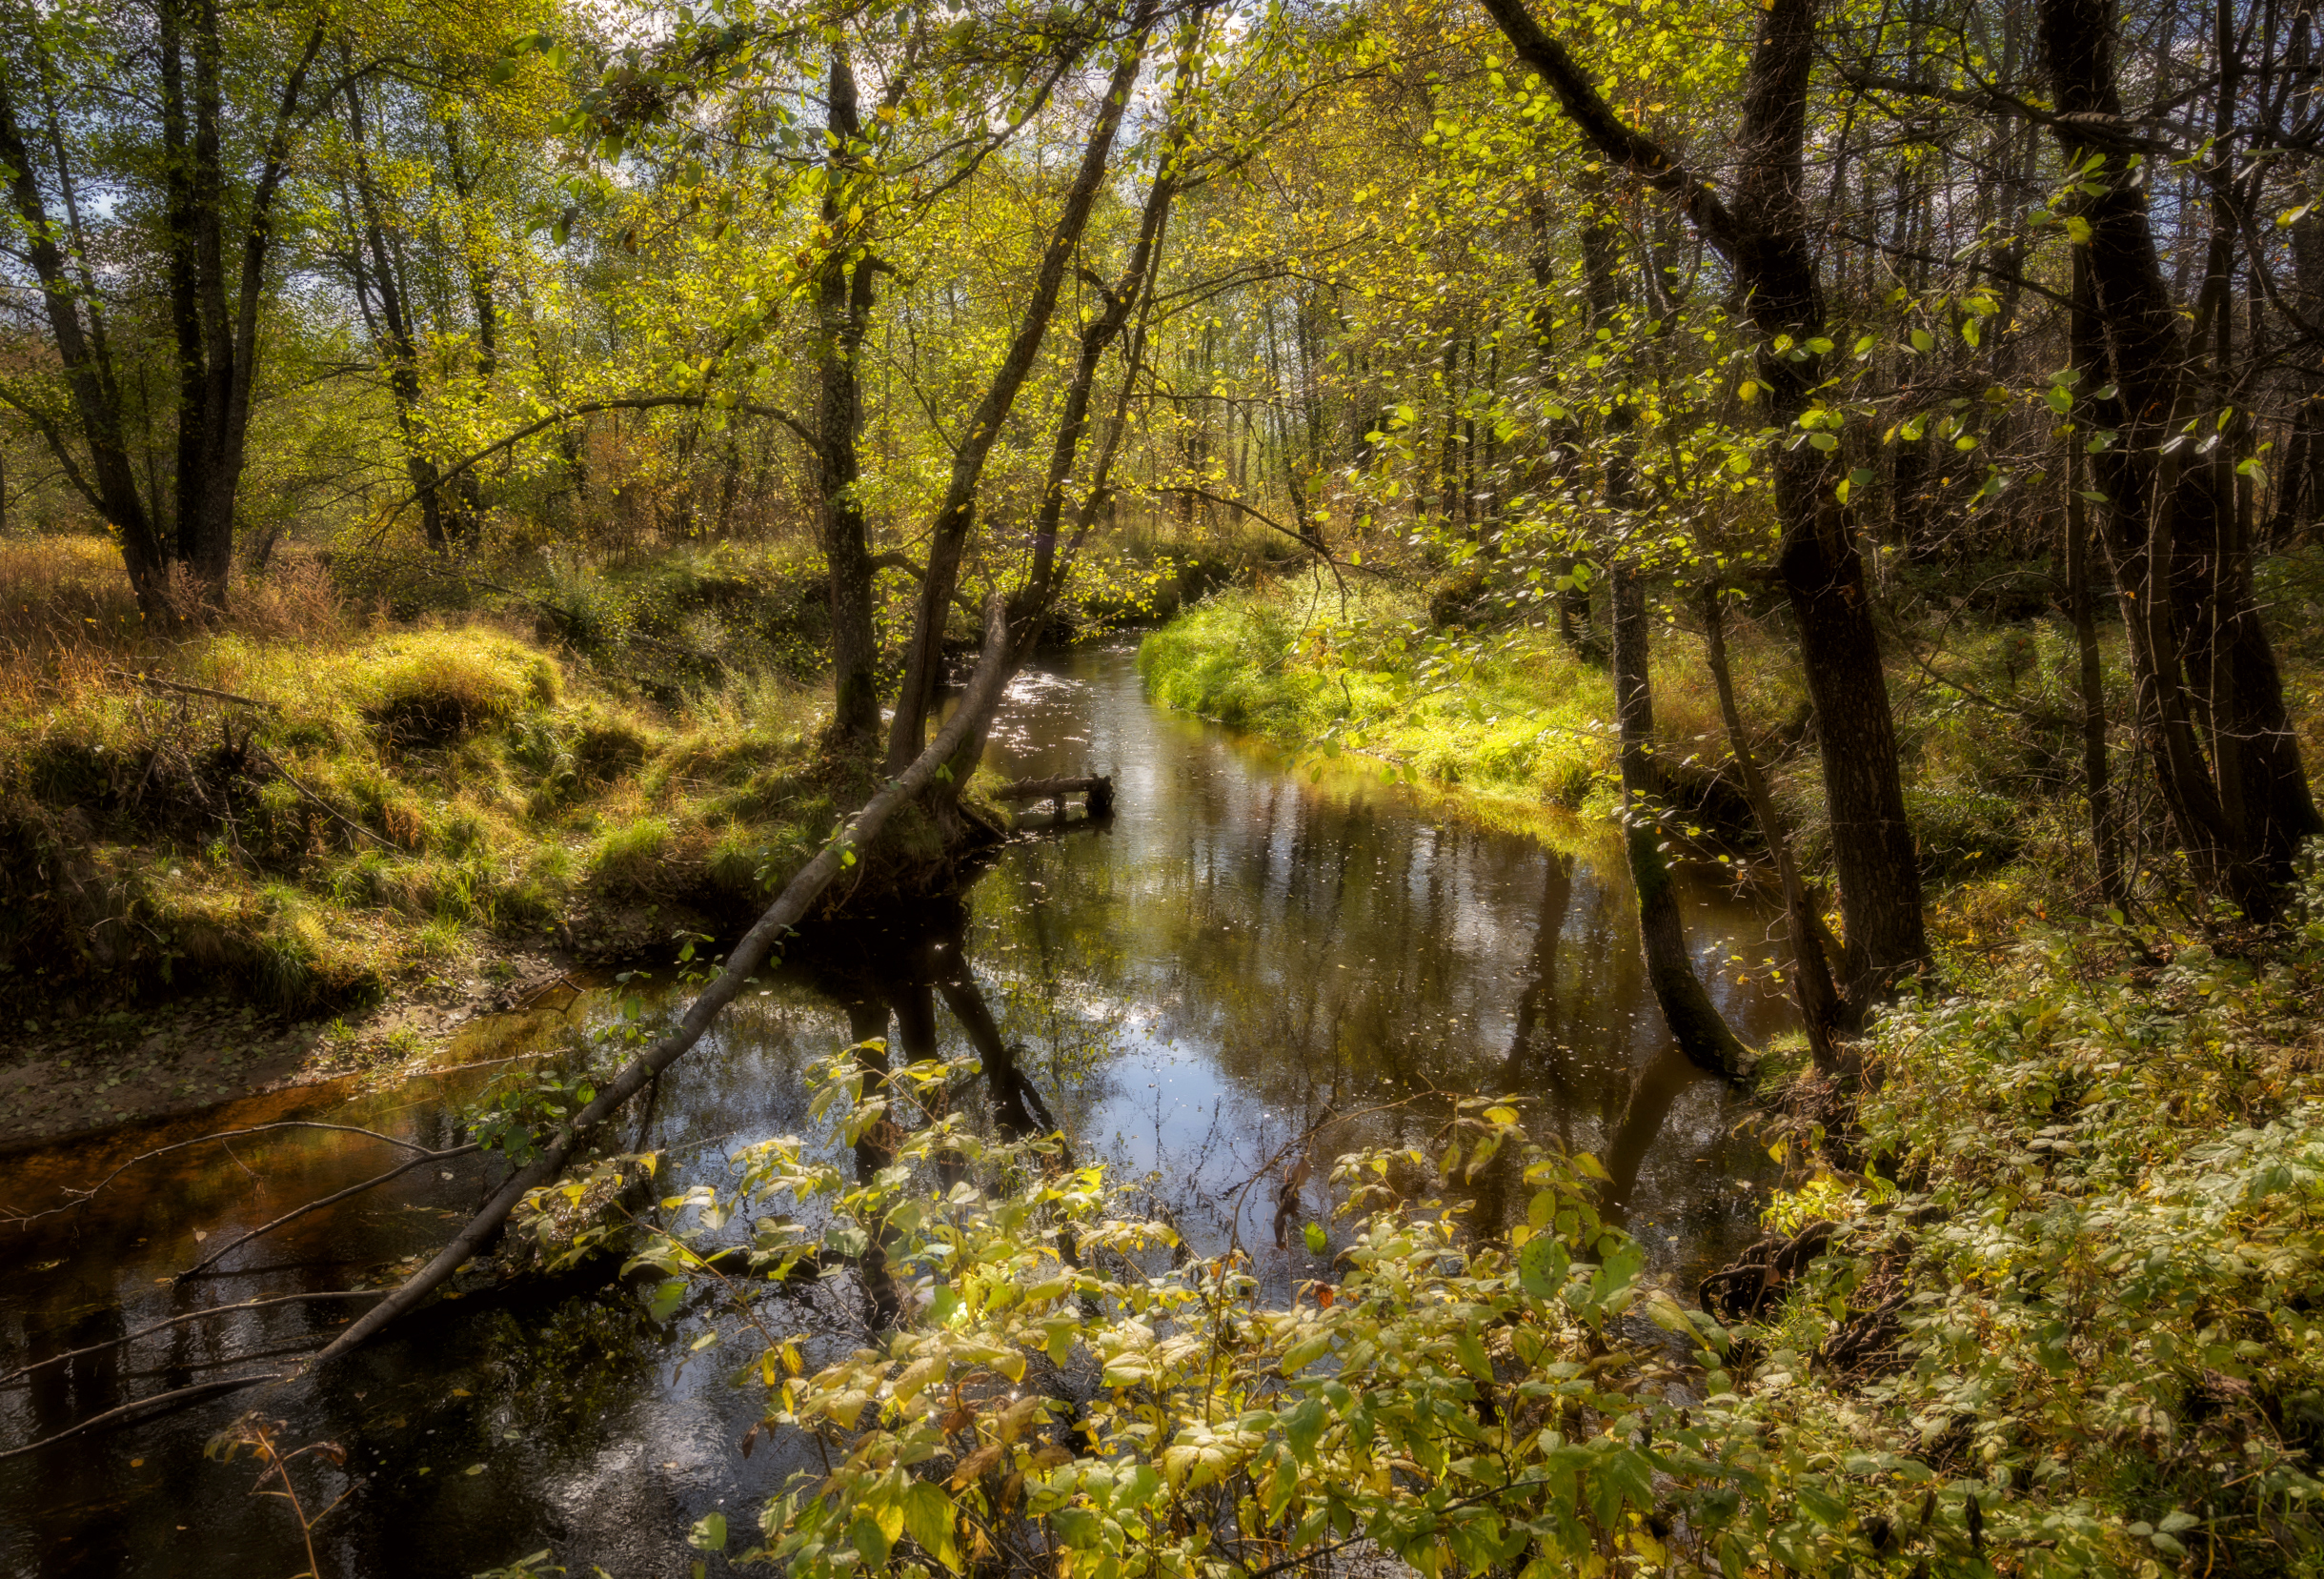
[
  {"x": 313, "y": 806},
  {"x": 1516, "y": 716},
  {"x": 1987, "y": 705}
]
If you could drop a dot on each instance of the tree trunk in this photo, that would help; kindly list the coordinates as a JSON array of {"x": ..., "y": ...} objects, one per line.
[
  {"x": 1695, "y": 1022},
  {"x": 1822, "y": 1012},
  {"x": 1764, "y": 238},
  {"x": 924, "y": 659},
  {"x": 843, "y": 305},
  {"x": 392, "y": 324},
  {"x": 2081, "y": 605},
  {"x": 2171, "y": 530},
  {"x": 110, "y": 482}
]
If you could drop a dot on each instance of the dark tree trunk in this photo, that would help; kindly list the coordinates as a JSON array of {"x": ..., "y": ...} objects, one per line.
[
  {"x": 1764, "y": 238},
  {"x": 2082, "y": 607},
  {"x": 1822, "y": 1012},
  {"x": 1695, "y": 1022},
  {"x": 381, "y": 281},
  {"x": 182, "y": 216},
  {"x": 2172, "y": 530},
  {"x": 843, "y": 305},
  {"x": 110, "y": 480}
]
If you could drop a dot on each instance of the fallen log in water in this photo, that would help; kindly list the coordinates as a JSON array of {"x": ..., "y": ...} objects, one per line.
[{"x": 1099, "y": 788}]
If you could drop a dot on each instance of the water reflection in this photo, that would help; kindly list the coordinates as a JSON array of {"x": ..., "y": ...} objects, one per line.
[
  {"x": 1238, "y": 954},
  {"x": 1261, "y": 949}
]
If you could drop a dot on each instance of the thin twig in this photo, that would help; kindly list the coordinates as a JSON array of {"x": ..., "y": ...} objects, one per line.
[
  {"x": 191, "y": 690},
  {"x": 191, "y": 1316},
  {"x": 333, "y": 811},
  {"x": 293, "y": 1215},
  {"x": 199, "y": 1390}
]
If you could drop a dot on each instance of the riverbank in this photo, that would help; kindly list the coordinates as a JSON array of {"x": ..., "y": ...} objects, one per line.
[
  {"x": 2044, "y": 1300},
  {"x": 295, "y": 846},
  {"x": 1513, "y": 715},
  {"x": 2068, "y": 1325},
  {"x": 1989, "y": 727}
]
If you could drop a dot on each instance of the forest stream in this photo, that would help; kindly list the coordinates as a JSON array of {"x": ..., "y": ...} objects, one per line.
[{"x": 1240, "y": 949}]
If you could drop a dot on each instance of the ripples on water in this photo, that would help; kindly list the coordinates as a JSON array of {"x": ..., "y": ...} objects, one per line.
[{"x": 1239, "y": 952}]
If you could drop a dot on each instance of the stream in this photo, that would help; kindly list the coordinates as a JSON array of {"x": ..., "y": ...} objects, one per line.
[{"x": 1242, "y": 948}]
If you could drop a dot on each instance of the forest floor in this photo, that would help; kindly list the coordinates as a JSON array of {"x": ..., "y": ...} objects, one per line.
[{"x": 150, "y": 1060}]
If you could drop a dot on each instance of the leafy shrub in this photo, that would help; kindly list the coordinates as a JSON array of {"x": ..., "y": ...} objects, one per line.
[{"x": 2072, "y": 1324}]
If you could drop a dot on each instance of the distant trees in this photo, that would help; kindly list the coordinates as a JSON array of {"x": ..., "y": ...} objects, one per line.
[{"x": 154, "y": 158}]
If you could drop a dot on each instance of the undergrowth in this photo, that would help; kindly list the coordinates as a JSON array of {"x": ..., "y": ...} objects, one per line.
[
  {"x": 2069, "y": 1321},
  {"x": 2095, "y": 1300}
]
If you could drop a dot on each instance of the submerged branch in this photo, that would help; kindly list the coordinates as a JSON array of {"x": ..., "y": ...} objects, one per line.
[
  {"x": 202, "y": 1314},
  {"x": 297, "y": 1212},
  {"x": 176, "y": 1399},
  {"x": 84, "y": 1197}
]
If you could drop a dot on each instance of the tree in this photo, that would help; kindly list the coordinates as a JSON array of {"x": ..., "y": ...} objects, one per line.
[
  {"x": 148, "y": 167},
  {"x": 1762, "y": 235}
]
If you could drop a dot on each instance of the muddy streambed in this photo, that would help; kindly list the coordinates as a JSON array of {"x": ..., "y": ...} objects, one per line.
[{"x": 1240, "y": 949}]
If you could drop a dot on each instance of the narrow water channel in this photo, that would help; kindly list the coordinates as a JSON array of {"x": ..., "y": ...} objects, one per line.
[{"x": 1241, "y": 951}]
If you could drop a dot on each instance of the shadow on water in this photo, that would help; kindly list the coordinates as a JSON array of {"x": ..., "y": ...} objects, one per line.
[{"x": 1239, "y": 952}]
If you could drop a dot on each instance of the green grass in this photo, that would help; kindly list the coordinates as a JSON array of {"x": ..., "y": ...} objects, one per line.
[
  {"x": 1512, "y": 715},
  {"x": 1522, "y": 720},
  {"x": 396, "y": 800}
]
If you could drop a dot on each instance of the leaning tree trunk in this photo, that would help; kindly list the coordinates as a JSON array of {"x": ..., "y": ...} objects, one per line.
[
  {"x": 109, "y": 483},
  {"x": 1821, "y": 1010},
  {"x": 924, "y": 660},
  {"x": 1695, "y": 1022},
  {"x": 383, "y": 280}
]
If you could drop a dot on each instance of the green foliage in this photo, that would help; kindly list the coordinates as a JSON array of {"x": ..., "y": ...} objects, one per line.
[{"x": 1520, "y": 717}]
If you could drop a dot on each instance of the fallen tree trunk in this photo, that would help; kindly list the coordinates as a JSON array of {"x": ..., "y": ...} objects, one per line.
[
  {"x": 1099, "y": 789},
  {"x": 983, "y": 693}
]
